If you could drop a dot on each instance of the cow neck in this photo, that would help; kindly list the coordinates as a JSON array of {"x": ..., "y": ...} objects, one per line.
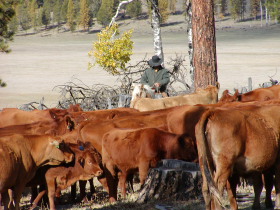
[{"x": 38, "y": 148}]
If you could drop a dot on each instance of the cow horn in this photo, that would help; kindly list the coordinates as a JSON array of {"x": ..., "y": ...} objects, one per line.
[{"x": 55, "y": 143}]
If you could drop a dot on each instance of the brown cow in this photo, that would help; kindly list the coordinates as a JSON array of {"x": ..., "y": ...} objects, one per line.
[
  {"x": 87, "y": 165},
  {"x": 37, "y": 122},
  {"x": 128, "y": 150},
  {"x": 14, "y": 116},
  {"x": 21, "y": 156},
  {"x": 236, "y": 142},
  {"x": 260, "y": 94},
  {"x": 208, "y": 95},
  {"x": 99, "y": 115}
]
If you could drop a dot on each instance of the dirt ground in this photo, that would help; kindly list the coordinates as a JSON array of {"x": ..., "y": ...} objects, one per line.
[{"x": 40, "y": 62}]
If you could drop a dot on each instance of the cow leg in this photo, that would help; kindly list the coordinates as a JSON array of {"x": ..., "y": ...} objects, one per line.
[
  {"x": 258, "y": 186},
  {"x": 268, "y": 183},
  {"x": 221, "y": 179},
  {"x": 82, "y": 185},
  {"x": 37, "y": 199},
  {"x": 112, "y": 182},
  {"x": 231, "y": 190},
  {"x": 5, "y": 198},
  {"x": 51, "y": 193},
  {"x": 17, "y": 194},
  {"x": 277, "y": 184},
  {"x": 73, "y": 191},
  {"x": 91, "y": 185},
  {"x": 143, "y": 171},
  {"x": 130, "y": 183},
  {"x": 122, "y": 184},
  {"x": 34, "y": 193}
]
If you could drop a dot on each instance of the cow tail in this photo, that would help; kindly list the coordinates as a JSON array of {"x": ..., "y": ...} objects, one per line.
[{"x": 205, "y": 156}]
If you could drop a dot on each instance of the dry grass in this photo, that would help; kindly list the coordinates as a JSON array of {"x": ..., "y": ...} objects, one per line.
[{"x": 100, "y": 201}]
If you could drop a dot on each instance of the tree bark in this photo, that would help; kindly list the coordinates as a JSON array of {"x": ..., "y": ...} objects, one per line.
[
  {"x": 204, "y": 43},
  {"x": 172, "y": 180}
]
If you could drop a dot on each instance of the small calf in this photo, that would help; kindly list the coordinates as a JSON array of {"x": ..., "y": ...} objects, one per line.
[{"x": 87, "y": 165}]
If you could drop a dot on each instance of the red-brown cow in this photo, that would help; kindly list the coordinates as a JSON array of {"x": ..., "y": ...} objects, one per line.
[
  {"x": 14, "y": 116},
  {"x": 87, "y": 165},
  {"x": 99, "y": 115},
  {"x": 236, "y": 142},
  {"x": 21, "y": 156},
  {"x": 127, "y": 150},
  {"x": 37, "y": 122},
  {"x": 260, "y": 94}
]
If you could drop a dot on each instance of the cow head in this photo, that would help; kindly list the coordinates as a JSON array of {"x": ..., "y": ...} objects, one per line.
[
  {"x": 89, "y": 159},
  {"x": 57, "y": 152},
  {"x": 227, "y": 97}
]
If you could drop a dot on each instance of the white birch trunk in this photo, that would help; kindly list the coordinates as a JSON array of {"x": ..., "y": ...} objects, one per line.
[
  {"x": 190, "y": 39},
  {"x": 118, "y": 10},
  {"x": 156, "y": 29}
]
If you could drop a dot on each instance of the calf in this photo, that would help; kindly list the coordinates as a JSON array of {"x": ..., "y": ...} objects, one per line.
[
  {"x": 86, "y": 166},
  {"x": 21, "y": 156},
  {"x": 129, "y": 150}
]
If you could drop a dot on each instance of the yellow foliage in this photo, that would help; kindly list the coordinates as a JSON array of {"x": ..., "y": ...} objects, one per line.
[{"x": 112, "y": 51}]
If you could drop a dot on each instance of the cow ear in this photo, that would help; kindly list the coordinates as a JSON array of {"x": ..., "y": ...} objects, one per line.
[
  {"x": 236, "y": 94},
  {"x": 53, "y": 114},
  {"x": 70, "y": 123},
  {"x": 81, "y": 161},
  {"x": 225, "y": 92}
]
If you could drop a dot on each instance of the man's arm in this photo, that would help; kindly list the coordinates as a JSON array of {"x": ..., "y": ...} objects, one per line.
[
  {"x": 165, "y": 78},
  {"x": 144, "y": 79}
]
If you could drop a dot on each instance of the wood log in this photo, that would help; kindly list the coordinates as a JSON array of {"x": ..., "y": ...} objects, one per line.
[{"x": 172, "y": 180}]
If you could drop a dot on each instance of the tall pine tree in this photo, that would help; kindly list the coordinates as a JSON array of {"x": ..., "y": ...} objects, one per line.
[
  {"x": 71, "y": 16},
  {"x": 84, "y": 15},
  {"x": 255, "y": 7},
  {"x": 106, "y": 12},
  {"x": 33, "y": 7}
]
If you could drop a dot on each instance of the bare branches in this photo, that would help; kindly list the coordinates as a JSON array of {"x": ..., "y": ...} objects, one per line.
[{"x": 100, "y": 96}]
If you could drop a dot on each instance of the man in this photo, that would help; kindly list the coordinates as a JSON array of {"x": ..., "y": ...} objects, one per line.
[{"x": 156, "y": 77}]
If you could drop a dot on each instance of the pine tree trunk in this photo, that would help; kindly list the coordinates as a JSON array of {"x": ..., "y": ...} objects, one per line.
[
  {"x": 172, "y": 180},
  {"x": 156, "y": 29},
  {"x": 204, "y": 43}
]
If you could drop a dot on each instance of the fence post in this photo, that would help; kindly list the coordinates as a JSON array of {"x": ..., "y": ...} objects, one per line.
[{"x": 250, "y": 87}]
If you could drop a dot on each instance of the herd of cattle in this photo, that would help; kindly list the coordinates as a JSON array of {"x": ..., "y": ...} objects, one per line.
[{"x": 233, "y": 137}]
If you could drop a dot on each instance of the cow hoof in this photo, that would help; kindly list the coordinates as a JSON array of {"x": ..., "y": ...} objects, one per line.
[
  {"x": 257, "y": 206},
  {"x": 268, "y": 204}
]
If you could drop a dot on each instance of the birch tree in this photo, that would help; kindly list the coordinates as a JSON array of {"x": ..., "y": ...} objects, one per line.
[
  {"x": 156, "y": 29},
  {"x": 204, "y": 43},
  {"x": 190, "y": 38}
]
